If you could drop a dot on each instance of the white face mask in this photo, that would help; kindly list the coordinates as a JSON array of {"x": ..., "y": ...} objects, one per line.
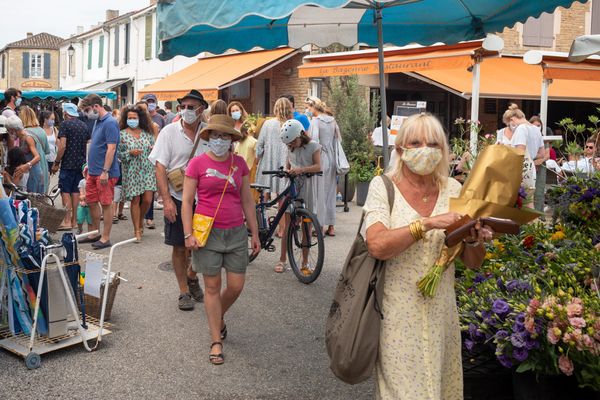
[
  {"x": 422, "y": 160},
  {"x": 219, "y": 147},
  {"x": 189, "y": 116},
  {"x": 93, "y": 115},
  {"x": 512, "y": 126}
]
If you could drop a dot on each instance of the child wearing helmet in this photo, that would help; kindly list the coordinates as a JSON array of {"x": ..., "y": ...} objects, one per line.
[{"x": 304, "y": 156}]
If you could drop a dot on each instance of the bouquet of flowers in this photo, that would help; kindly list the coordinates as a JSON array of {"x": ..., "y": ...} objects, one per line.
[{"x": 536, "y": 304}]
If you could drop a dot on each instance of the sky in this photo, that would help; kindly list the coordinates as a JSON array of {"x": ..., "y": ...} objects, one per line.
[{"x": 57, "y": 17}]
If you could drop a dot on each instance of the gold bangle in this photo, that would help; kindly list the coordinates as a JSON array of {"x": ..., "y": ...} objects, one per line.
[{"x": 416, "y": 230}]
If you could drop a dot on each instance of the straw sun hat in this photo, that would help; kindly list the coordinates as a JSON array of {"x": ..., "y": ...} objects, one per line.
[{"x": 221, "y": 123}]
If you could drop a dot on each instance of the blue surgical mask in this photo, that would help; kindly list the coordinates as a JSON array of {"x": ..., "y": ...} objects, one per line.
[
  {"x": 151, "y": 107},
  {"x": 50, "y": 123},
  {"x": 18, "y": 101},
  {"x": 219, "y": 147},
  {"x": 236, "y": 115},
  {"x": 133, "y": 123},
  {"x": 308, "y": 113}
]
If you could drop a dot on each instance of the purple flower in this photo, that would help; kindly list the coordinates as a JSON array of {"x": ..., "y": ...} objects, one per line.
[
  {"x": 500, "y": 307},
  {"x": 531, "y": 344},
  {"x": 513, "y": 285},
  {"x": 488, "y": 318},
  {"x": 519, "y": 325},
  {"x": 539, "y": 259},
  {"x": 501, "y": 334},
  {"x": 504, "y": 360},
  {"x": 469, "y": 344},
  {"x": 475, "y": 333},
  {"x": 500, "y": 284},
  {"x": 520, "y": 354},
  {"x": 480, "y": 278},
  {"x": 518, "y": 339},
  {"x": 522, "y": 192}
]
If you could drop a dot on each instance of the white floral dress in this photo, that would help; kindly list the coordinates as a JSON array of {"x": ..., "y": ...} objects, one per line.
[{"x": 419, "y": 347}]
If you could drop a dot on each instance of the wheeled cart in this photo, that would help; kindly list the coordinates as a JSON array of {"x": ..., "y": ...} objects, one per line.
[{"x": 81, "y": 329}]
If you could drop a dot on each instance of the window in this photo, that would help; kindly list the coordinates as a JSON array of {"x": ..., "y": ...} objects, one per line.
[
  {"x": 539, "y": 32},
  {"x": 63, "y": 64},
  {"x": 101, "y": 52},
  {"x": 316, "y": 88},
  {"x": 2, "y": 65},
  {"x": 148, "y": 38},
  {"x": 126, "y": 43},
  {"x": 36, "y": 65},
  {"x": 90, "y": 48}
]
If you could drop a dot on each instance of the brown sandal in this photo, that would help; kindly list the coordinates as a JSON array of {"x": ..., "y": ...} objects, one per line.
[{"x": 216, "y": 359}]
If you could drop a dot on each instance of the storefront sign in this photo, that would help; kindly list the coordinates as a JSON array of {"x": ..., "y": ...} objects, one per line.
[
  {"x": 35, "y": 84},
  {"x": 209, "y": 94}
]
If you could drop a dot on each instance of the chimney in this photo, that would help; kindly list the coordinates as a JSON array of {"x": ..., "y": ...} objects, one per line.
[
  {"x": 29, "y": 34},
  {"x": 79, "y": 29},
  {"x": 111, "y": 14}
]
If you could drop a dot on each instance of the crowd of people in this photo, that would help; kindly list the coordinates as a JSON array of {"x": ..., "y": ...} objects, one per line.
[{"x": 198, "y": 162}]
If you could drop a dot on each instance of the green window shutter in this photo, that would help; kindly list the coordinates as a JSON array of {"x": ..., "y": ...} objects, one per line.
[
  {"x": 117, "y": 29},
  {"x": 157, "y": 41},
  {"x": 148, "y": 38},
  {"x": 101, "y": 52},
  {"x": 90, "y": 48},
  {"x": 47, "y": 61},
  {"x": 26, "y": 65}
]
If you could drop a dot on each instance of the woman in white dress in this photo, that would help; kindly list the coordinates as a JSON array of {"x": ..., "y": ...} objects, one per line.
[
  {"x": 325, "y": 131},
  {"x": 419, "y": 345},
  {"x": 271, "y": 153},
  {"x": 47, "y": 122}
]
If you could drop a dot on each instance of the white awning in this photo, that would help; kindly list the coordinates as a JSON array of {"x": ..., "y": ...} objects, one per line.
[
  {"x": 107, "y": 85},
  {"x": 79, "y": 86}
]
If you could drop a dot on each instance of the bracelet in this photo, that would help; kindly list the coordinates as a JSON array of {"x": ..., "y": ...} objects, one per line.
[
  {"x": 416, "y": 230},
  {"x": 186, "y": 237}
]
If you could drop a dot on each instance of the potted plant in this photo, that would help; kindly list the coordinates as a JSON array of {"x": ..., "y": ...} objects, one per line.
[
  {"x": 361, "y": 173},
  {"x": 355, "y": 120}
]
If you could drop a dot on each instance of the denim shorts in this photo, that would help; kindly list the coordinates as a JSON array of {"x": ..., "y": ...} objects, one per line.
[
  {"x": 225, "y": 248},
  {"x": 68, "y": 180}
]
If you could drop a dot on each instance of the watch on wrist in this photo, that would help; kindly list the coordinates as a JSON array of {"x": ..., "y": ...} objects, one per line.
[{"x": 105, "y": 171}]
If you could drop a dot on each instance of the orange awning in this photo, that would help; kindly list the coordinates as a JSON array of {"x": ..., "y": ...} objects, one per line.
[
  {"x": 211, "y": 74},
  {"x": 396, "y": 60},
  {"x": 511, "y": 78},
  {"x": 584, "y": 71}
]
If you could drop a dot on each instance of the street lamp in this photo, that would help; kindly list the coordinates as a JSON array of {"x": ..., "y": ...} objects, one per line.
[{"x": 71, "y": 50}]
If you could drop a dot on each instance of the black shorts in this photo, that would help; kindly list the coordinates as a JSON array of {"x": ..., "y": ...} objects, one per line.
[
  {"x": 174, "y": 230},
  {"x": 68, "y": 180}
]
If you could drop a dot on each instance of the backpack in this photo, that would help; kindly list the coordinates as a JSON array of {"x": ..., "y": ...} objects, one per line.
[{"x": 353, "y": 324}]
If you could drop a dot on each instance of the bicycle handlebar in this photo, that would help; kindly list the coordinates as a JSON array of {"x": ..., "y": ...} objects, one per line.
[{"x": 286, "y": 174}]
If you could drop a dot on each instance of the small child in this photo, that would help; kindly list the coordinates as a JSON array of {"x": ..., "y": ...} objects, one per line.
[{"x": 83, "y": 210}]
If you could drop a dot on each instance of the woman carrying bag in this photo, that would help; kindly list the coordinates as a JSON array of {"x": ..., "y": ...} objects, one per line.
[{"x": 215, "y": 231}]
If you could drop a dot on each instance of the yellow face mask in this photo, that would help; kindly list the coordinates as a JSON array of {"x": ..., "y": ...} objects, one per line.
[{"x": 421, "y": 160}]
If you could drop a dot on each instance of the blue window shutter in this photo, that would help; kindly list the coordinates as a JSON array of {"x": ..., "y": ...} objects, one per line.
[
  {"x": 101, "y": 52},
  {"x": 25, "y": 65},
  {"x": 47, "y": 65}
]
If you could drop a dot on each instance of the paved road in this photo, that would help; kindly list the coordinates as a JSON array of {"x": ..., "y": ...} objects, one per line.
[{"x": 275, "y": 348}]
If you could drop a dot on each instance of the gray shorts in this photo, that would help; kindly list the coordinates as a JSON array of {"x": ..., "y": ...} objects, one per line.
[{"x": 225, "y": 248}]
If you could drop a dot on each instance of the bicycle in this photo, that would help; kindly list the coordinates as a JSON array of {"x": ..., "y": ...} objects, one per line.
[{"x": 304, "y": 231}]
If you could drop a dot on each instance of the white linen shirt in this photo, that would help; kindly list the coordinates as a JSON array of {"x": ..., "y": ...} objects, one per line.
[{"x": 172, "y": 150}]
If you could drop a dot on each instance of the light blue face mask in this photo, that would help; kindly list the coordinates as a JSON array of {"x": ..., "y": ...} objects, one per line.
[
  {"x": 219, "y": 147},
  {"x": 18, "y": 101},
  {"x": 133, "y": 123},
  {"x": 308, "y": 113},
  {"x": 50, "y": 123},
  {"x": 151, "y": 106},
  {"x": 236, "y": 115}
]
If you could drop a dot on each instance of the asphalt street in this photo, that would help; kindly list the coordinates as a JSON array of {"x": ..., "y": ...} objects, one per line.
[{"x": 275, "y": 348}]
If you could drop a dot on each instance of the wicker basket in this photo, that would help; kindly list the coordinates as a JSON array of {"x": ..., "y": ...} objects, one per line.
[
  {"x": 50, "y": 217},
  {"x": 93, "y": 305}
]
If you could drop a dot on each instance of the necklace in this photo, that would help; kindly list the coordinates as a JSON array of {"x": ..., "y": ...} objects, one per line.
[{"x": 425, "y": 196}]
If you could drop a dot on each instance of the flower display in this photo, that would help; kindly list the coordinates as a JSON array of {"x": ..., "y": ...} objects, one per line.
[{"x": 534, "y": 303}]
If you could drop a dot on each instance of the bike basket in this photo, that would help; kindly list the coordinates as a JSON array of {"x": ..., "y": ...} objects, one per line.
[{"x": 50, "y": 216}]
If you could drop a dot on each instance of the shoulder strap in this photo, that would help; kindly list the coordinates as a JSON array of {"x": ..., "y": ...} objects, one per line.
[
  {"x": 196, "y": 142},
  {"x": 225, "y": 188},
  {"x": 391, "y": 195}
]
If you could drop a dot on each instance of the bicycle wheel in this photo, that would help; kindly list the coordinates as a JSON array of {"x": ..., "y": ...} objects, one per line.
[{"x": 306, "y": 249}]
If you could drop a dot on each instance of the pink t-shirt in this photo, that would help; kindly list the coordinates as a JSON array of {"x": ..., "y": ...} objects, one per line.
[{"x": 211, "y": 176}]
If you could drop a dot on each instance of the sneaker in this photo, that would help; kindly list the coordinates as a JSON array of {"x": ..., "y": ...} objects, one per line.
[
  {"x": 185, "y": 302},
  {"x": 195, "y": 290},
  {"x": 157, "y": 205}
]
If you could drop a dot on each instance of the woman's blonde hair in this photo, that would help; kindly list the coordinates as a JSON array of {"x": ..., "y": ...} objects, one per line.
[
  {"x": 317, "y": 104},
  {"x": 513, "y": 111},
  {"x": 283, "y": 109},
  {"x": 28, "y": 117},
  {"x": 416, "y": 127}
]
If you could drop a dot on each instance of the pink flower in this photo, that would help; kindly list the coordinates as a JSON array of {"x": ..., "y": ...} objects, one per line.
[
  {"x": 567, "y": 338},
  {"x": 576, "y": 300},
  {"x": 574, "y": 310},
  {"x": 577, "y": 322},
  {"x": 530, "y": 324},
  {"x": 552, "y": 337},
  {"x": 549, "y": 302},
  {"x": 588, "y": 342},
  {"x": 565, "y": 365},
  {"x": 533, "y": 306}
]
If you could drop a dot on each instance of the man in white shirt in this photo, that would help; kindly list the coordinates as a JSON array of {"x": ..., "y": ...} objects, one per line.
[
  {"x": 377, "y": 139},
  {"x": 172, "y": 151},
  {"x": 587, "y": 164}
]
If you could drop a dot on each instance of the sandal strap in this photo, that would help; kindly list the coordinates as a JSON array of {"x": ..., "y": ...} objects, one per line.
[{"x": 216, "y": 343}]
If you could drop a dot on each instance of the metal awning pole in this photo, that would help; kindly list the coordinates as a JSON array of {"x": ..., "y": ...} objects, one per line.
[
  {"x": 540, "y": 182},
  {"x": 475, "y": 104},
  {"x": 383, "y": 101}
]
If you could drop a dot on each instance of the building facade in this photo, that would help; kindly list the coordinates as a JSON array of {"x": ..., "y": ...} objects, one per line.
[{"x": 31, "y": 63}]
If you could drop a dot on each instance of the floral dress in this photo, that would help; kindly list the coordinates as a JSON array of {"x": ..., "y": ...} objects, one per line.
[
  {"x": 137, "y": 172},
  {"x": 419, "y": 343}
]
